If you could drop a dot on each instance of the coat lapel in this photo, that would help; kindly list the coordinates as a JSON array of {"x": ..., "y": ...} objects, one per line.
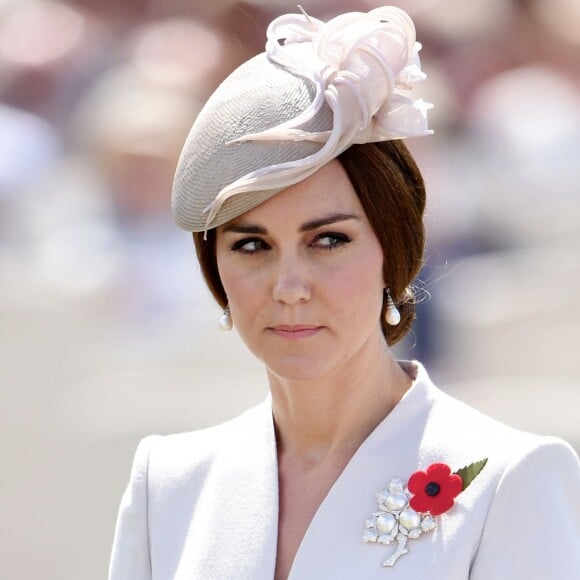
[
  {"x": 234, "y": 534},
  {"x": 333, "y": 543}
]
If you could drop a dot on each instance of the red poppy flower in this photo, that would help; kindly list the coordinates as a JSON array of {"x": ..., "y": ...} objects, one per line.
[{"x": 435, "y": 489}]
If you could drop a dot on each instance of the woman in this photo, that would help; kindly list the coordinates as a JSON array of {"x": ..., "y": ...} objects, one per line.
[{"x": 306, "y": 209}]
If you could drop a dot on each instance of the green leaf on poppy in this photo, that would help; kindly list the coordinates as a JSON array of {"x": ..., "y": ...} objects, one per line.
[{"x": 469, "y": 473}]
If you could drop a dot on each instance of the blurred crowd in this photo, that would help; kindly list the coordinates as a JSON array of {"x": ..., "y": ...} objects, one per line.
[
  {"x": 104, "y": 322},
  {"x": 96, "y": 99}
]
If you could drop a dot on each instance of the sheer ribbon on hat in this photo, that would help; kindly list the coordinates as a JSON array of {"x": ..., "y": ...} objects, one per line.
[{"x": 360, "y": 63}]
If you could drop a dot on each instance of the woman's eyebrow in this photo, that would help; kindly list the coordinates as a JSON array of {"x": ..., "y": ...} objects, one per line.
[
  {"x": 327, "y": 220},
  {"x": 238, "y": 228},
  {"x": 245, "y": 229}
]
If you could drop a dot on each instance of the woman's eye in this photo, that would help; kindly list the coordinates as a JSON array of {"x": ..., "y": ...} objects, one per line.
[
  {"x": 328, "y": 241},
  {"x": 249, "y": 246}
]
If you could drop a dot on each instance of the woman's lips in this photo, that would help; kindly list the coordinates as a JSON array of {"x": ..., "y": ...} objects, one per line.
[{"x": 295, "y": 331}]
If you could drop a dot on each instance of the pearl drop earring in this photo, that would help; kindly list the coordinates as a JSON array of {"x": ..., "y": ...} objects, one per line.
[
  {"x": 392, "y": 315},
  {"x": 226, "y": 323}
]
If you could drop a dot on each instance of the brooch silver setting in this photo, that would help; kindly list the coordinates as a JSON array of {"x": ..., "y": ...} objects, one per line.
[
  {"x": 407, "y": 511},
  {"x": 396, "y": 521}
]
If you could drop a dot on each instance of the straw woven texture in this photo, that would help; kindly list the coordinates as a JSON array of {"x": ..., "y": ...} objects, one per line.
[{"x": 257, "y": 96}]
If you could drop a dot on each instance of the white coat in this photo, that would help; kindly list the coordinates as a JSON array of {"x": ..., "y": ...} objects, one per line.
[{"x": 204, "y": 505}]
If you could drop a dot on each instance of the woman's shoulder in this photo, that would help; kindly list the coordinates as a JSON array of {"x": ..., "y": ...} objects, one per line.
[
  {"x": 526, "y": 495},
  {"x": 519, "y": 517},
  {"x": 464, "y": 434},
  {"x": 178, "y": 455}
]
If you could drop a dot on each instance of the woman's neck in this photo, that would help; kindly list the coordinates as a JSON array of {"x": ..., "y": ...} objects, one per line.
[{"x": 326, "y": 420}]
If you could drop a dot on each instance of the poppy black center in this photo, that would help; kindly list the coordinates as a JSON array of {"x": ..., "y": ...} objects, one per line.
[{"x": 432, "y": 488}]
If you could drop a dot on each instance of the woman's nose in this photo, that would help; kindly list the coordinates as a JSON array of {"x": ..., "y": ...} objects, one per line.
[{"x": 291, "y": 284}]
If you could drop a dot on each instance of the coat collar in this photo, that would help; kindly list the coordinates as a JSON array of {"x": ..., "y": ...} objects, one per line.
[
  {"x": 392, "y": 448},
  {"x": 226, "y": 501},
  {"x": 242, "y": 486}
]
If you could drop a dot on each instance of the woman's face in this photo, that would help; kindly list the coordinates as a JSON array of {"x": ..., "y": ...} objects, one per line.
[{"x": 303, "y": 277}]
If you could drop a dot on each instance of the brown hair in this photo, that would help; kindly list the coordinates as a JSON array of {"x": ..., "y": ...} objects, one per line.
[{"x": 391, "y": 190}]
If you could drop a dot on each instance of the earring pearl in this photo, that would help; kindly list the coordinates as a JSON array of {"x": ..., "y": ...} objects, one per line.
[
  {"x": 226, "y": 320},
  {"x": 392, "y": 315}
]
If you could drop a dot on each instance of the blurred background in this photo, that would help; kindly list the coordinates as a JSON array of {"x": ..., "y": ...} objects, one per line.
[{"x": 106, "y": 330}]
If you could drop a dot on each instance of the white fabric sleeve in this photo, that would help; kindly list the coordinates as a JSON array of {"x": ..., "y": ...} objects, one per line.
[
  {"x": 130, "y": 558},
  {"x": 532, "y": 530}
]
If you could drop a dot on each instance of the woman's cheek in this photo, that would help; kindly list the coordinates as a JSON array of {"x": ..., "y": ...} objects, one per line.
[
  {"x": 361, "y": 273},
  {"x": 243, "y": 286}
]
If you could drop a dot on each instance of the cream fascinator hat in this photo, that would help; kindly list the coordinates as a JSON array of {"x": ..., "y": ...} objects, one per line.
[{"x": 317, "y": 89}]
